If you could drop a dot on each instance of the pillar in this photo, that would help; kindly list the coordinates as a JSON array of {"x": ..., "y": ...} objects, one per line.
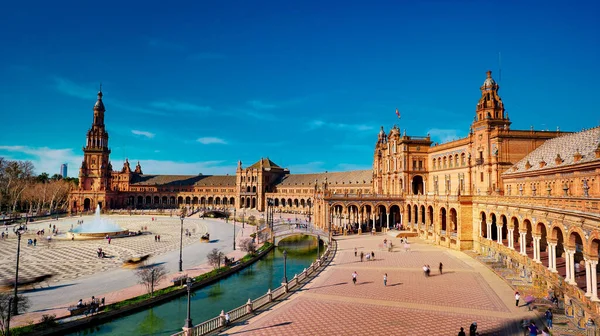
[
  {"x": 536, "y": 249},
  {"x": 510, "y": 238},
  {"x": 499, "y": 235},
  {"x": 594, "y": 279},
  {"x": 489, "y": 230},
  {"x": 570, "y": 276},
  {"x": 552, "y": 257},
  {"x": 388, "y": 220},
  {"x": 523, "y": 243},
  {"x": 588, "y": 278}
]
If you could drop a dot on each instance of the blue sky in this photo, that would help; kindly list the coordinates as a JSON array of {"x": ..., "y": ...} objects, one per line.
[{"x": 192, "y": 87}]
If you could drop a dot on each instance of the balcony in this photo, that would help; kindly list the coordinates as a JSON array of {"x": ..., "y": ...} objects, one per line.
[{"x": 479, "y": 161}]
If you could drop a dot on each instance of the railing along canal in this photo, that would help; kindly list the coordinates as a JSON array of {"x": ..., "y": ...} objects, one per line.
[{"x": 252, "y": 305}]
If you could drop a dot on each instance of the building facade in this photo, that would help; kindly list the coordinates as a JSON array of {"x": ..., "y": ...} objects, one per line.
[{"x": 528, "y": 196}]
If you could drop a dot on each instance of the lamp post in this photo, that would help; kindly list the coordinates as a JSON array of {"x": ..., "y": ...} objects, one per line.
[
  {"x": 234, "y": 233},
  {"x": 285, "y": 266},
  {"x": 188, "y": 320},
  {"x": 15, "y": 299},
  {"x": 181, "y": 246},
  {"x": 318, "y": 246}
]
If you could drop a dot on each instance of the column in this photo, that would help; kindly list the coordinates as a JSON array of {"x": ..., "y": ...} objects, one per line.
[
  {"x": 510, "y": 238},
  {"x": 373, "y": 217},
  {"x": 499, "y": 235},
  {"x": 536, "y": 249},
  {"x": 593, "y": 264},
  {"x": 489, "y": 230},
  {"x": 523, "y": 242},
  {"x": 552, "y": 257},
  {"x": 388, "y": 220},
  {"x": 588, "y": 278},
  {"x": 570, "y": 276}
]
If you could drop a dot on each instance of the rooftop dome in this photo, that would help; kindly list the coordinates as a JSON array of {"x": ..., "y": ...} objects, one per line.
[
  {"x": 489, "y": 81},
  {"x": 99, "y": 105}
]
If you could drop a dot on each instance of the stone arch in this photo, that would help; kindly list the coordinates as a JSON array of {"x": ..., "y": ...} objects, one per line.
[
  {"x": 148, "y": 200},
  {"x": 453, "y": 220},
  {"x": 409, "y": 213},
  {"x": 443, "y": 217},
  {"x": 156, "y": 200},
  {"x": 395, "y": 215},
  {"x": 289, "y": 202},
  {"x": 430, "y": 214},
  {"x": 217, "y": 200},
  {"x": 172, "y": 200},
  {"x": 253, "y": 203},
  {"x": 210, "y": 200},
  {"x": 180, "y": 200},
  {"x": 295, "y": 202},
  {"x": 382, "y": 213},
  {"x": 528, "y": 229},
  {"x": 557, "y": 235},
  {"x": 422, "y": 216},
  {"x": 417, "y": 185},
  {"x": 542, "y": 232},
  {"x": 254, "y": 189},
  {"x": 87, "y": 203},
  {"x": 232, "y": 200},
  {"x": 195, "y": 200},
  {"x": 594, "y": 245},
  {"x": 415, "y": 214},
  {"x": 302, "y": 203},
  {"x": 188, "y": 200},
  {"x": 494, "y": 233},
  {"x": 483, "y": 225},
  {"x": 504, "y": 230}
]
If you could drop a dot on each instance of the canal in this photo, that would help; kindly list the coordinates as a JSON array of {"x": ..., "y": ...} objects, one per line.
[{"x": 207, "y": 302}]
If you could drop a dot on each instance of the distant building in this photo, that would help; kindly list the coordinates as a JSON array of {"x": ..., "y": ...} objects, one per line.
[{"x": 63, "y": 170}]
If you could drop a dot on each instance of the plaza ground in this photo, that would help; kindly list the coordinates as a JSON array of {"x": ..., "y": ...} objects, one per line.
[
  {"x": 410, "y": 304},
  {"x": 80, "y": 274}
]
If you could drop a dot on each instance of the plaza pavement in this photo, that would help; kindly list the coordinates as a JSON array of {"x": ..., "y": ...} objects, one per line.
[
  {"x": 79, "y": 274},
  {"x": 411, "y": 304}
]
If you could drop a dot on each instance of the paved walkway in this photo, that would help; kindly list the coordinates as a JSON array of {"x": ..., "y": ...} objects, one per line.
[
  {"x": 410, "y": 304},
  {"x": 116, "y": 283}
]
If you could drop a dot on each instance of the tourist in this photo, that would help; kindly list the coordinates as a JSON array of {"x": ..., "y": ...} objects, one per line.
[
  {"x": 34, "y": 242},
  {"x": 533, "y": 329},
  {"x": 385, "y": 279},
  {"x": 109, "y": 240},
  {"x": 441, "y": 267},
  {"x": 354, "y": 275},
  {"x": 80, "y": 303},
  {"x": 372, "y": 255},
  {"x": 425, "y": 271},
  {"x": 555, "y": 301},
  {"x": 355, "y": 251},
  {"x": 473, "y": 329},
  {"x": 428, "y": 270},
  {"x": 462, "y": 332},
  {"x": 361, "y": 256},
  {"x": 155, "y": 238},
  {"x": 368, "y": 257},
  {"x": 227, "y": 319},
  {"x": 517, "y": 298},
  {"x": 548, "y": 316},
  {"x": 546, "y": 332},
  {"x": 159, "y": 238}
]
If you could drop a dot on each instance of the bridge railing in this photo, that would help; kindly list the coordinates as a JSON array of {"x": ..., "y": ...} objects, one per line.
[{"x": 298, "y": 280}]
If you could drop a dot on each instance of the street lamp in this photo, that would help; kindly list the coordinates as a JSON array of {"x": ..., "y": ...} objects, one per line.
[
  {"x": 188, "y": 320},
  {"x": 285, "y": 266},
  {"x": 318, "y": 246},
  {"x": 234, "y": 234},
  {"x": 15, "y": 300},
  {"x": 181, "y": 247}
]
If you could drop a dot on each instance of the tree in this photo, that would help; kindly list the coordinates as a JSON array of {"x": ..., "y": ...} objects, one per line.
[
  {"x": 150, "y": 276},
  {"x": 251, "y": 219},
  {"x": 247, "y": 245},
  {"x": 215, "y": 257},
  {"x": 6, "y": 305}
]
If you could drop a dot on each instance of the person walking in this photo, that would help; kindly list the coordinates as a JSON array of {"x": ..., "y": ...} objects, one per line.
[
  {"x": 517, "y": 298},
  {"x": 462, "y": 332},
  {"x": 355, "y": 251},
  {"x": 473, "y": 329},
  {"x": 361, "y": 256},
  {"x": 425, "y": 270},
  {"x": 385, "y": 279},
  {"x": 441, "y": 266},
  {"x": 548, "y": 316},
  {"x": 533, "y": 329},
  {"x": 354, "y": 275}
]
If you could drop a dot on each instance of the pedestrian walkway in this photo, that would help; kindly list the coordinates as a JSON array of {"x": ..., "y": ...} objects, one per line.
[{"x": 410, "y": 304}]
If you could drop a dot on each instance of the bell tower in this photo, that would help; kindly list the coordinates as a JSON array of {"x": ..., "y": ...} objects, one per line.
[
  {"x": 95, "y": 170},
  {"x": 490, "y": 108}
]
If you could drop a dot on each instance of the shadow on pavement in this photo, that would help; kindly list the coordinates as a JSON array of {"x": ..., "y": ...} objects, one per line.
[
  {"x": 267, "y": 327},
  {"x": 40, "y": 289},
  {"x": 337, "y": 284}
]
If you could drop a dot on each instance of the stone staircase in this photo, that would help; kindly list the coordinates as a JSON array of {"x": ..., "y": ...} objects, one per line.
[{"x": 563, "y": 325}]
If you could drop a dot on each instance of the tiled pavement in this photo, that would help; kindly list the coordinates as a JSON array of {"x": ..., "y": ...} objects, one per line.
[{"x": 411, "y": 304}]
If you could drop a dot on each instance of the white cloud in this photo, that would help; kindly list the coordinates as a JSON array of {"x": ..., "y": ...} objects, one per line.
[
  {"x": 444, "y": 135},
  {"x": 314, "y": 124},
  {"x": 173, "y": 105},
  {"x": 73, "y": 89},
  {"x": 46, "y": 159},
  {"x": 148, "y": 135},
  {"x": 211, "y": 140}
]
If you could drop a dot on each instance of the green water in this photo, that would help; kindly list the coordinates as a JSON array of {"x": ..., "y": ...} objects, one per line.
[{"x": 208, "y": 302}]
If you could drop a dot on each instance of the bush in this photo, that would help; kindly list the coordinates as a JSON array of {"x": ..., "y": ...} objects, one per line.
[
  {"x": 247, "y": 245},
  {"x": 215, "y": 257},
  {"x": 48, "y": 320}
]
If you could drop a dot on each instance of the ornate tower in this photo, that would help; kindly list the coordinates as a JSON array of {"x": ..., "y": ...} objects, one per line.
[
  {"x": 95, "y": 170},
  {"x": 490, "y": 109}
]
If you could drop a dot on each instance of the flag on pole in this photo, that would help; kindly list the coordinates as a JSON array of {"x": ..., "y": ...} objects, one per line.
[{"x": 398, "y": 113}]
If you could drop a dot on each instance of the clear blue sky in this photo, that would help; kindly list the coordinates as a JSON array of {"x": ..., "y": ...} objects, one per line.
[{"x": 192, "y": 87}]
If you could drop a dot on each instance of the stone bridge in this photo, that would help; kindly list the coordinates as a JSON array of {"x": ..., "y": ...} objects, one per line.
[{"x": 285, "y": 231}]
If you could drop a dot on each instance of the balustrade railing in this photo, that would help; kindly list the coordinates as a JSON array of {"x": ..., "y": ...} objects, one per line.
[{"x": 241, "y": 311}]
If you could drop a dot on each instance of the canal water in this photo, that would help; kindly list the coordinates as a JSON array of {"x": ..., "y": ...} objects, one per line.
[{"x": 206, "y": 303}]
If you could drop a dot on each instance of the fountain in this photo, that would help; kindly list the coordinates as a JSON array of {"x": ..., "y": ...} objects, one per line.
[{"x": 99, "y": 228}]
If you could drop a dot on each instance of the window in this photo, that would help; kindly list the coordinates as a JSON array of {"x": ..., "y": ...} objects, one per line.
[{"x": 481, "y": 176}]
